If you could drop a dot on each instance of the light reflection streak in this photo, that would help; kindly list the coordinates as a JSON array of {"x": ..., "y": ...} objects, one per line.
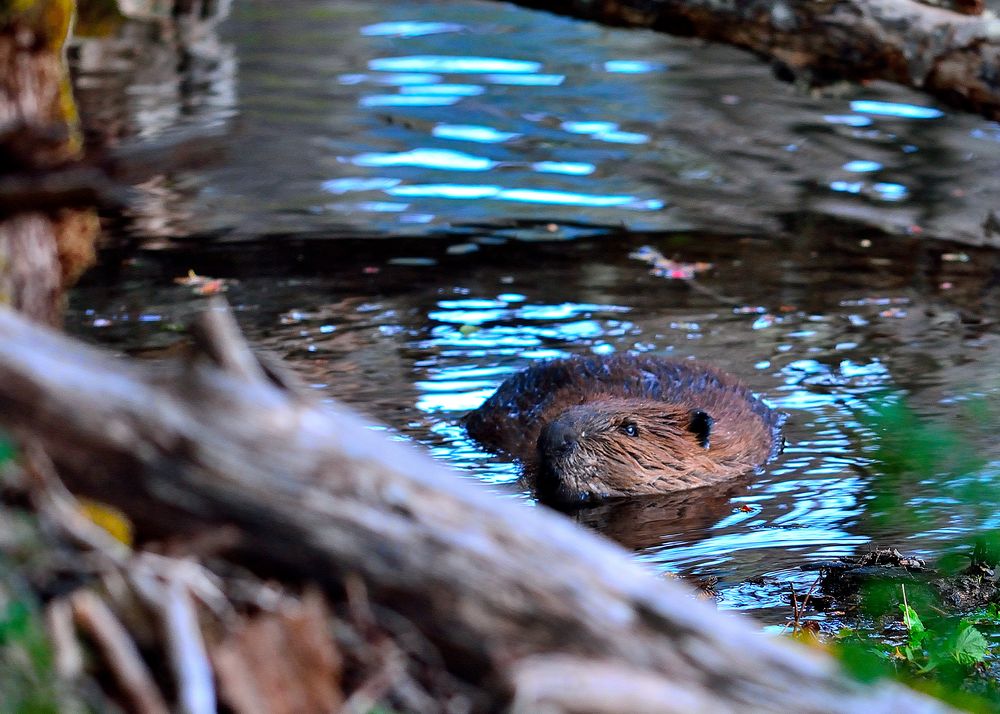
[
  {"x": 453, "y": 65},
  {"x": 895, "y": 109},
  {"x": 526, "y": 195}
]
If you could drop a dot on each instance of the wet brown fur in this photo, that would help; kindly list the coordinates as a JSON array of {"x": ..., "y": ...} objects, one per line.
[{"x": 588, "y": 428}]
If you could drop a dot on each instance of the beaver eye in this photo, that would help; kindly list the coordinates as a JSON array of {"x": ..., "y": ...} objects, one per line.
[{"x": 630, "y": 428}]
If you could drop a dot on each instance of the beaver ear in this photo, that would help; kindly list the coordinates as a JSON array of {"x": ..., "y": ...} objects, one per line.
[{"x": 701, "y": 426}]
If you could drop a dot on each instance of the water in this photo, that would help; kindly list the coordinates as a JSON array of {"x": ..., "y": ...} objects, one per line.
[
  {"x": 417, "y": 201},
  {"x": 400, "y": 117}
]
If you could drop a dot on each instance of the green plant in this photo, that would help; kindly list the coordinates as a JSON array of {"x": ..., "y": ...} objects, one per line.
[
  {"x": 924, "y": 645},
  {"x": 28, "y": 683}
]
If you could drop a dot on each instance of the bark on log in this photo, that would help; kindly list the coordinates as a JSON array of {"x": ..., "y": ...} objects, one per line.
[
  {"x": 952, "y": 56},
  {"x": 506, "y": 592}
]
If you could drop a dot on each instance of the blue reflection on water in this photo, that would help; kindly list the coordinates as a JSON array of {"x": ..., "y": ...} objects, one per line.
[
  {"x": 467, "y": 317},
  {"x": 990, "y": 132},
  {"x": 604, "y": 131},
  {"x": 453, "y": 65},
  {"x": 472, "y": 132},
  {"x": 457, "y": 90},
  {"x": 504, "y": 325},
  {"x": 445, "y": 190},
  {"x": 428, "y": 159},
  {"x": 472, "y": 304},
  {"x": 382, "y": 206},
  {"x": 526, "y": 195},
  {"x": 570, "y": 168},
  {"x": 347, "y": 184},
  {"x": 392, "y": 80},
  {"x": 847, "y": 119},
  {"x": 526, "y": 80},
  {"x": 895, "y": 109},
  {"x": 861, "y": 166},
  {"x": 564, "y": 310},
  {"x": 621, "y": 137},
  {"x": 882, "y": 191},
  {"x": 847, "y": 186},
  {"x": 563, "y": 198},
  {"x": 452, "y": 400},
  {"x": 890, "y": 191},
  {"x": 409, "y": 29},
  {"x": 403, "y": 100},
  {"x": 631, "y": 66},
  {"x": 588, "y": 127}
]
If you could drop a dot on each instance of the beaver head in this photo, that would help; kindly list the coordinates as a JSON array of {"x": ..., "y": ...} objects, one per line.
[{"x": 622, "y": 447}]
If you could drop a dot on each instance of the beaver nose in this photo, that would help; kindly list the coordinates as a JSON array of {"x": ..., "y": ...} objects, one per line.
[{"x": 559, "y": 438}]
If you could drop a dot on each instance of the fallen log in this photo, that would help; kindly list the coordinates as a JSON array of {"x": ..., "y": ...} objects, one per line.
[
  {"x": 950, "y": 55},
  {"x": 512, "y": 596}
]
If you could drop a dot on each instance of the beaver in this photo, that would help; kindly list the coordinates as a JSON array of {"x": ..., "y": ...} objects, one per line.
[{"x": 593, "y": 428}]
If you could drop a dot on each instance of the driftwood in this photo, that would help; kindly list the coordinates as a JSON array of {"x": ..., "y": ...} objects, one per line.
[
  {"x": 520, "y": 600},
  {"x": 950, "y": 55}
]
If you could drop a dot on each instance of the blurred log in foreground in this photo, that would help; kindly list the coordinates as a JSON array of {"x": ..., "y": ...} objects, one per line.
[
  {"x": 950, "y": 55},
  {"x": 519, "y": 601}
]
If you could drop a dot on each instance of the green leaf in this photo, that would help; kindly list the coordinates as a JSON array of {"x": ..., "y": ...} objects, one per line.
[
  {"x": 933, "y": 661},
  {"x": 970, "y": 647},
  {"x": 863, "y": 663},
  {"x": 917, "y": 630}
]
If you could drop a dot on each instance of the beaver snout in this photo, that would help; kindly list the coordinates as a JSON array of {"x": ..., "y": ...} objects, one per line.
[
  {"x": 558, "y": 438},
  {"x": 565, "y": 474},
  {"x": 555, "y": 443}
]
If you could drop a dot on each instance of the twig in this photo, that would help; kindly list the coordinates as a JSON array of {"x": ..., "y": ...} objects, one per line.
[
  {"x": 218, "y": 337},
  {"x": 120, "y": 652},
  {"x": 805, "y": 600},
  {"x": 795, "y": 613},
  {"x": 390, "y": 673},
  {"x": 187, "y": 651},
  {"x": 797, "y": 609},
  {"x": 167, "y": 585},
  {"x": 67, "y": 656},
  {"x": 200, "y": 582},
  {"x": 375, "y": 686}
]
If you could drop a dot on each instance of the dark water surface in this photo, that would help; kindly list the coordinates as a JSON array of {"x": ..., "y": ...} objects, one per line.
[{"x": 419, "y": 199}]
